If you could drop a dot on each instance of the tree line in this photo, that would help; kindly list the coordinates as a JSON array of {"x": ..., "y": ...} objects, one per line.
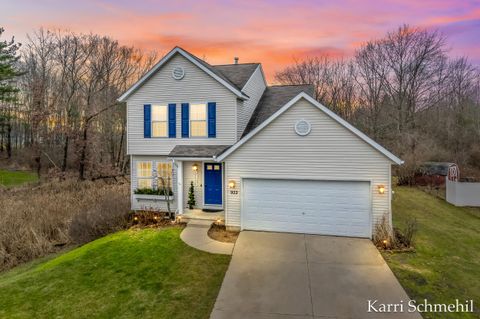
[
  {"x": 61, "y": 112},
  {"x": 58, "y": 91},
  {"x": 404, "y": 91}
]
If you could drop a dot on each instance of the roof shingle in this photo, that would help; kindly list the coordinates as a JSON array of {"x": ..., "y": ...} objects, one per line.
[
  {"x": 272, "y": 100},
  {"x": 197, "y": 150},
  {"x": 238, "y": 74}
]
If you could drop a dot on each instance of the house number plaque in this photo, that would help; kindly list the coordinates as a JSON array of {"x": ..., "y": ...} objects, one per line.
[{"x": 233, "y": 192}]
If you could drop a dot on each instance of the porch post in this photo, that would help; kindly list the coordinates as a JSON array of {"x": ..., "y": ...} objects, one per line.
[{"x": 180, "y": 187}]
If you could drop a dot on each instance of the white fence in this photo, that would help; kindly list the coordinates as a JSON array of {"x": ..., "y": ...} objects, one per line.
[{"x": 463, "y": 193}]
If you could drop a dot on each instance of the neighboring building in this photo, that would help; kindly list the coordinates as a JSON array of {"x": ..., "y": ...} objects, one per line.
[
  {"x": 271, "y": 157},
  {"x": 435, "y": 173}
]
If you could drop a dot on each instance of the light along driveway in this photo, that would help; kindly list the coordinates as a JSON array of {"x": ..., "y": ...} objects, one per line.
[{"x": 280, "y": 275}]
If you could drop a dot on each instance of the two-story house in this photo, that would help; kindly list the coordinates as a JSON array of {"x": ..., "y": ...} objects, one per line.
[{"x": 271, "y": 157}]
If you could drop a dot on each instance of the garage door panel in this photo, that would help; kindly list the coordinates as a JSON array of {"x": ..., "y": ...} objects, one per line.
[{"x": 316, "y": 207}]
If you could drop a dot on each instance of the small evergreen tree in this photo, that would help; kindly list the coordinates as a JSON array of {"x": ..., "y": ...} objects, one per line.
[{"x": 191, "y": 196}]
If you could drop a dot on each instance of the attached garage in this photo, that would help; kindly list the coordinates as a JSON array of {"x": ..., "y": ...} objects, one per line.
[
  {"x": 305, "y": 170},
  {"x": 340, "y": 208}
]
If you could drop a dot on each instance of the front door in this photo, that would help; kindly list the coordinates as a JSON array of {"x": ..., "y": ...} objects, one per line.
[{"x": 213, "y": 183}]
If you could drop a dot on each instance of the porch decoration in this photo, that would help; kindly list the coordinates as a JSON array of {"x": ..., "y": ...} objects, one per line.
[{"x": 191, "y": 196}]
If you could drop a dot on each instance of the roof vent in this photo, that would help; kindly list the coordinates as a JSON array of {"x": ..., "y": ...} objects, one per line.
[
  {"x": 236, "y": 59},
  {"x": 303, "y": 127}
]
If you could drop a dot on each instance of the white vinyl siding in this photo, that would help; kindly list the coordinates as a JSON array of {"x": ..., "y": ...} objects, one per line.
[
  {"x": 254, "y": 88},
  {"x": 330, "y": 152},
  {"x": 162, "y": 89},
  {"x": 190, "y": 176},
  {"x": 161, "y": 165}
]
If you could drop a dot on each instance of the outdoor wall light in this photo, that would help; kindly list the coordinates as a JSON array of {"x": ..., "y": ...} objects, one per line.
[
  {"x": 195, "y": 167},
  {"x": 231, "y": 184},
  {"x": 381, "y": 189}
]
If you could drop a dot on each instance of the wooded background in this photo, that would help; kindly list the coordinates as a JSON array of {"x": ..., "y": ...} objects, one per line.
[{"x": 59, "y": 112}]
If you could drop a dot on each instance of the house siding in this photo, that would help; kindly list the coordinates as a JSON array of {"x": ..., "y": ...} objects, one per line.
[
  {"x": 161, "y": 88},
  {"x": 197, "y": 178},
  {"x": 254, "y": 88},
  {"x": 149, "y": 204},
  {"x": 329, "y": 152}
]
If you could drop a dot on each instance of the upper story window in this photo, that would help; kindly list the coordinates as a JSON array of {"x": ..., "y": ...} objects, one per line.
[
  {"x": 198, "y": 120},
  {"x": 159, "y": 121}
]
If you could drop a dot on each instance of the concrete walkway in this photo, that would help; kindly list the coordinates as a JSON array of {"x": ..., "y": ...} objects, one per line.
[
  {"x": 195, "y": 235},
  {"x": 279, "y": 276}
]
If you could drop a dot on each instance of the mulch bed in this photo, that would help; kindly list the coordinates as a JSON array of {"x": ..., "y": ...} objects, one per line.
[{"x": 220, "y": 233}]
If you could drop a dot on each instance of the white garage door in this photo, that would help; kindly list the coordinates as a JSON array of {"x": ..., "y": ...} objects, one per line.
[{"x": 314, "y": 207}]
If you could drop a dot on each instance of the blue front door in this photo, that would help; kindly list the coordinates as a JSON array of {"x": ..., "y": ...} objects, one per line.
[{"x": 213, "y": 183}]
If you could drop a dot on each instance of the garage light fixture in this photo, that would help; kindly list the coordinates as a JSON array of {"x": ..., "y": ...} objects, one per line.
[
  {"x": 231, "y": 184},
  {"x": 381, "y": 189}
]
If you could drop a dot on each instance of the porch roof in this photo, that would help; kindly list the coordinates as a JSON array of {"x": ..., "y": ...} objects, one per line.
[{"x": 197, "y": 150}]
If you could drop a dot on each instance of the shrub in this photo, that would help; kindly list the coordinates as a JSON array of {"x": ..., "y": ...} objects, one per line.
[
  {"x": 404, "y": 239},
  {"x": 151, "y": 191},
  {"x": 383, "y": 235},
  {"x": 387, "y": 238},
  {"x": 35, "y": 221},
  {"x": 109, "y": 215}
]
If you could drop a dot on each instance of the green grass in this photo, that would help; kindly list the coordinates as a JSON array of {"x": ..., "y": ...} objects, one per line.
[
  {"x": 15, "y": 178},
  {"x": 146, "y": 273},
  {"x": 446, "y": 264}
]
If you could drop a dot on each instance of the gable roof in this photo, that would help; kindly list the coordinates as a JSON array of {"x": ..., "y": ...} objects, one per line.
[
  {"x": 322, "y": 108},
  {"x": 238, "y": 74},
  {"x": 273, "y": 98},
  {"x": 207, "y": 68}
]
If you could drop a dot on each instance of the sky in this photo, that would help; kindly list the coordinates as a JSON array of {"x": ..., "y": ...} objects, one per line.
[{"x": 274, "y": 33}]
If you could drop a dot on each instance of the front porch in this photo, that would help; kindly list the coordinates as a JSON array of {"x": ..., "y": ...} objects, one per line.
[
  {"x": 203, "y": 179},
  {"x": 199, "y": 214}
]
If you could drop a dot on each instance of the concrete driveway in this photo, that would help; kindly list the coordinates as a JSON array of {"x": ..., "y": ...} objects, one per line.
[{"x": 279, "y": 275}]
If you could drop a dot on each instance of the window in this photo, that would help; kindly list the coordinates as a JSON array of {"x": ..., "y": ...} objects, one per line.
[
  {"x": 159, "y": 121},
  {"x": 144, "y": 175},
  {"x": 164, "y": 170},
  {"x": 198, "y": 120}
]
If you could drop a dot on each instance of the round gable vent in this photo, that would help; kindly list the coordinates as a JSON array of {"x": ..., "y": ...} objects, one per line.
[
  {"x": 302, "y": 127},
  {"x": 178, "y": 73}
]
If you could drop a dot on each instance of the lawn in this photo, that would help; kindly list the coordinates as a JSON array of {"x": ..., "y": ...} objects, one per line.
[
  {"x": 146, "y": 273},
  {"x": 14, "y": 178},
  {"x": 446, "y": 264}
]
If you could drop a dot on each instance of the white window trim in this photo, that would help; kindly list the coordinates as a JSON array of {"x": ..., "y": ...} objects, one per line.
[
  {"x": 144, "y": 178},
  {"x": 152, "y": 177},
  {"x": 190, "y": 120},
  {"x": 166, "y": 121}
]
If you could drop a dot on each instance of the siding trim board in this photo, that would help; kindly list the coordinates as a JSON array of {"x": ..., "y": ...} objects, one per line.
[
  {"x": 331, "y": 114},
  {"x": 165, "y": 59}
]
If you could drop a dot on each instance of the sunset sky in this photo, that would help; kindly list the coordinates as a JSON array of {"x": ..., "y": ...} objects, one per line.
[{"x": 271, "y": 32}]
